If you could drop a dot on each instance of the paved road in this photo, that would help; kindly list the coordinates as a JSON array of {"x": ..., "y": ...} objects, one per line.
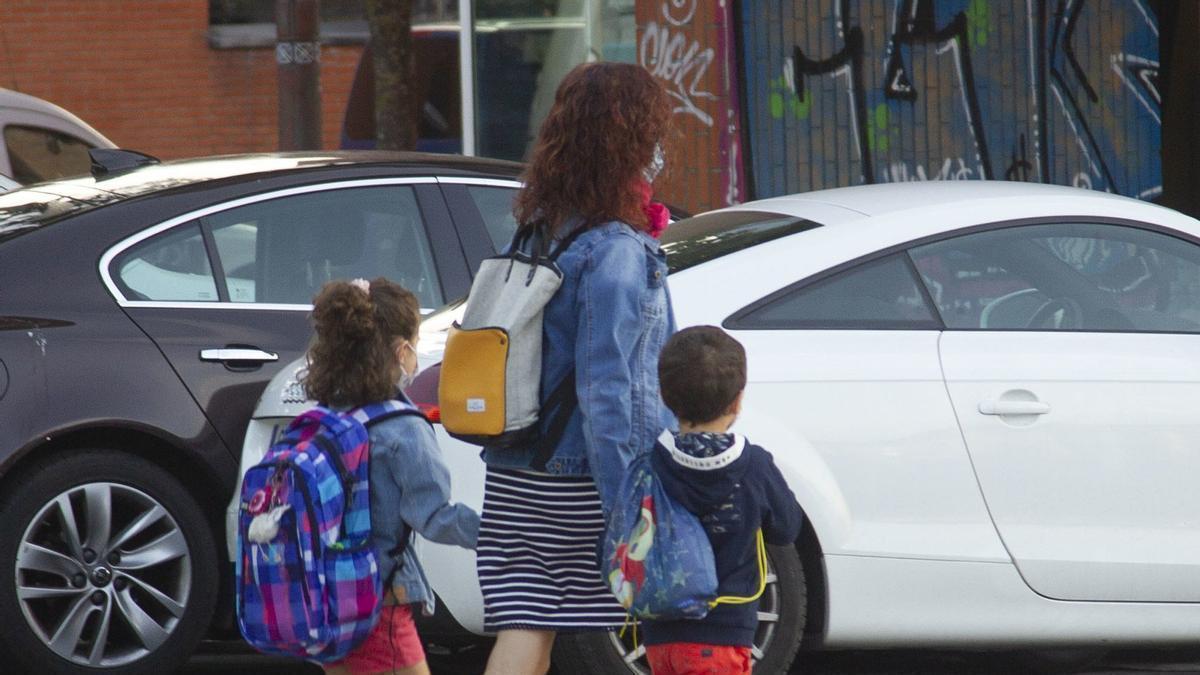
[{"x": 214, "y": 661}]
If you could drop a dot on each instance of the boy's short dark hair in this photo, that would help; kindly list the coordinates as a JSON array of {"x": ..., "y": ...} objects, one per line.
[{"x": 701, "y": 372}]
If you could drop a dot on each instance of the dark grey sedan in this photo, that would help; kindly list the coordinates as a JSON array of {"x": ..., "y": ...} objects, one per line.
[{"x": 142, "y": 311}]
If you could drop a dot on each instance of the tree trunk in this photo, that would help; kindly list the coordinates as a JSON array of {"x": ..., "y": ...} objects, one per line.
[{"x": 395, "y": 99}]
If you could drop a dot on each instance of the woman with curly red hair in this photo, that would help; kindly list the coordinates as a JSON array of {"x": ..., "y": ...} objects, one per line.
[{"x": 587, "y": 188}]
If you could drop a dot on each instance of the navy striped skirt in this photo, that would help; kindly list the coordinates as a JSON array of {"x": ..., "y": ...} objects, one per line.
[{"x": 537, "y": 550}]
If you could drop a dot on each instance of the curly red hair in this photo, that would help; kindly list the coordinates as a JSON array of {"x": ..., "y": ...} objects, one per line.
[{"x": 591, "y": 150}]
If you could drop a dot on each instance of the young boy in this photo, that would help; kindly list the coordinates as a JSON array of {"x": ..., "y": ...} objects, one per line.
[{"x": 734, "y": 489}]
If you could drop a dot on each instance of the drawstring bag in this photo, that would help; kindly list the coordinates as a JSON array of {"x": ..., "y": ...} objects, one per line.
[{"x": 656, "y": 556}]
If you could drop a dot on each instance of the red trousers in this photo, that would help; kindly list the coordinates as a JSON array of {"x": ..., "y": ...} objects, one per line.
[{"x": 690, "y": 658}]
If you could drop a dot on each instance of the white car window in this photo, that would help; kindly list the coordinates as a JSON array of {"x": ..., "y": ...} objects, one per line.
[
  {"x": 1085, "y": 277},
  {"x": 171, "y": 267},
  {"x": 881, "y": 294},
  {"x": 282, "y": 250}
]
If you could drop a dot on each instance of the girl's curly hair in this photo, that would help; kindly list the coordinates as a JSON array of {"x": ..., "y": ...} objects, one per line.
[
  {"x": 352, "y": 360},
  {"x": 598, "y": 137}
]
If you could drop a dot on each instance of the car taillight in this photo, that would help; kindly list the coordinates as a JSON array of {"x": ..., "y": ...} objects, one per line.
[
  {"x": 424, "y": 392},
  {"x": 432, "y": 412}
]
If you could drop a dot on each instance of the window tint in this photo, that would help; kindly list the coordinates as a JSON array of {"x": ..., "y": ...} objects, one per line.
[
  {"x": 495, "y": 205},
  {"x": 973, "y": 287},
  {"x": 281, "y": 251},
  {"x": 880, "y": 294},
  {"x": 40, "y": 154},
  {"x": 173, "y": 266},
  {"x": 1065, "y": 277},
  {"x": 696, "y": 240}
]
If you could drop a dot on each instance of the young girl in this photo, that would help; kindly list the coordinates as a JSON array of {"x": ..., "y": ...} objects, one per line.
[
  {"x": 589, "y": 178},
  {"x": 365, "y": 346}
]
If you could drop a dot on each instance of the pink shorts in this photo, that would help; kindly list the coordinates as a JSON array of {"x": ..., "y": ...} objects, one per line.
[{"x": 392, "y": 645}]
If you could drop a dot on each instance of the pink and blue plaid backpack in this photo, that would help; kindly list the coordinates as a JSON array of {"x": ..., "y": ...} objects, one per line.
[{"x": 308, "y": 583}]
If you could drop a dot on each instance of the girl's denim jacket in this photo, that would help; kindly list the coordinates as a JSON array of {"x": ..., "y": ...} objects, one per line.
[
  {"x": 608, "y": 321},
  {"x": 410, "y": 491}
]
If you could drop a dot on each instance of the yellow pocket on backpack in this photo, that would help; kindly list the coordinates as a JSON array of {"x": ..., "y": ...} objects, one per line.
[{"x": 471, "y": 389}]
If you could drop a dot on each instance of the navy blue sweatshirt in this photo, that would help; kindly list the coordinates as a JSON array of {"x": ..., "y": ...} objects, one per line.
[{"x": 734, "y": 488}]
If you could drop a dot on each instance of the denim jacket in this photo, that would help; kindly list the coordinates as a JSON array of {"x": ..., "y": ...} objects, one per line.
[
  {"x": 608, "y": 321},
  {"x": 410, "y": 484}
]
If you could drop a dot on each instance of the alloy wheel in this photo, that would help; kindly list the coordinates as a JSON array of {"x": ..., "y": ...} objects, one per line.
[{"x": 103, "y": 573}]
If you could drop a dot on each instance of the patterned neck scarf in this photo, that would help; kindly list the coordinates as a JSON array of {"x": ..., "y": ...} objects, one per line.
[
  {"x": 704, "y": 443},
  {"x": 657, "y": 215}
]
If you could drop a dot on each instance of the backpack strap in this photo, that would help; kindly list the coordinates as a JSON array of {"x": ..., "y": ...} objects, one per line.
[
  {"x": 334, "y": 421},
  {"x": 566, "y": 241},
  {"x": 560, "y": 405},
  {"x": 535, "y": 232},
  {"x": 374, "y": 413},
  {"x": 370, "y": 415}
]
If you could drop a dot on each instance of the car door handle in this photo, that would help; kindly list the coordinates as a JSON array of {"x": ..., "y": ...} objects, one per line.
[
  {"x": 237, "y": 354},
  {"x": 1002, "y": 407}
]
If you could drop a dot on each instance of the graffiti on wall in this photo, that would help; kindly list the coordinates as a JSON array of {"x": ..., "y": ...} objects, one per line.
[
  {"x": 688, "y": 45},
  {"x": 670, "y": 53},
  {"x": 842, "y": 92}
]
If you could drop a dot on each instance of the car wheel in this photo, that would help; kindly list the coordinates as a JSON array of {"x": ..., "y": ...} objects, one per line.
[
  {"x": 106, "y": 563},
  {"x": 781, "y": 618}
]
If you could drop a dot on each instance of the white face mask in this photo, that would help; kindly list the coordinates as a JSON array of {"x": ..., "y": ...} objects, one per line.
[
  {"x": 406, "y": 377},
  {"x": 657, "y": 162}
]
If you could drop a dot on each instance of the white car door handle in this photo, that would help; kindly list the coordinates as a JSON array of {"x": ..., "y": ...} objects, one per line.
[
  {"x": 1002, "y": 407},
  {"x": 237, "y": 354}
]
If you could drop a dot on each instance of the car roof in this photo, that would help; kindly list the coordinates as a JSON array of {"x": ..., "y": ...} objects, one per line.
[
  {"x": 17, "y": 100},
  {"x": 879, "y": 199},
  {"x": 179, "y": 173},
  {"x": 43, "y": 203}
]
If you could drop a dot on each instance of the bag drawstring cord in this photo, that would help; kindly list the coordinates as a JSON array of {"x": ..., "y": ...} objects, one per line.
[
  {"x": 762, "y": 579},
  {"x": 630, "y": 622}
]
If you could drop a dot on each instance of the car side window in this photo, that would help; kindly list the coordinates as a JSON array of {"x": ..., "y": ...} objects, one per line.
[
  {"x": 172, "y": 267},
  {"x": 39, "y": 154},
  {"x": 495, "y": 205},
  {"x": 1084, "y": 277},
  {"x": 973, "y": 286},
  {"x": 881, "y": 294},
  {"x": 281, "y": 251}
]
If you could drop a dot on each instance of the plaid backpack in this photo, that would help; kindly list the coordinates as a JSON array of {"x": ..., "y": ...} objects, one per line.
[{"x": 308, "y": 583}]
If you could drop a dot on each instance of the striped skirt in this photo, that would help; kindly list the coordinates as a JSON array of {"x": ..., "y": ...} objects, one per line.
[{"x": 536, "y": 558}]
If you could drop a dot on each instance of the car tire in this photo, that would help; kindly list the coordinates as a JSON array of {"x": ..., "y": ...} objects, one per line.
[
  {"x": 148, "y": 590},
  {"x": 782, "y": 610}
]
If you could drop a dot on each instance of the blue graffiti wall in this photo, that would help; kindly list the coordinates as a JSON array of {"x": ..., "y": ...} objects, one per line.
[{"x": 844, "y": 92}]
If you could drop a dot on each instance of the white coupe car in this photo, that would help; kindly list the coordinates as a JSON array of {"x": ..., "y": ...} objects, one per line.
[{"x": 986, "y": 397}]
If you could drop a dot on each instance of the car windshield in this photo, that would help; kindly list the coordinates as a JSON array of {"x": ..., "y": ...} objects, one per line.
[{"x": 712, "y": 235}]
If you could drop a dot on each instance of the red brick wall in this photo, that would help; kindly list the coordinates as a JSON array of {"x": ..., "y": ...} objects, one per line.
[
  {"x": 142, "y": 74},
  {"x": 688, "y": 46}
]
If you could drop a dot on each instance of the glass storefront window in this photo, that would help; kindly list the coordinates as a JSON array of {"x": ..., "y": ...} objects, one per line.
[
  {"x": 523, "y": 48},
  {"x": 617, "y": 31}
]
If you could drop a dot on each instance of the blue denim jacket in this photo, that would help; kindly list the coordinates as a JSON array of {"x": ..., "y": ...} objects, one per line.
[
  {"x": 410, "y": 484},
  {"x": 608, "y": 321}
]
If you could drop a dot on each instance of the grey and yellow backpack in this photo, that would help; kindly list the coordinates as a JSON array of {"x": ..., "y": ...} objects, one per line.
[{"x": 490, "y": 388}]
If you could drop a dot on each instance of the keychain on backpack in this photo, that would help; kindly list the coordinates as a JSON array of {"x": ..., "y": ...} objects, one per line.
[{"x": 265, "y": 526}]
